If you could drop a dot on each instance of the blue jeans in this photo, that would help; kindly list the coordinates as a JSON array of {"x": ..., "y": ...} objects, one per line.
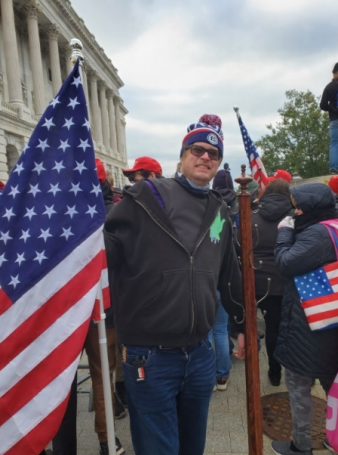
[
  {"x": 220, "y": 334},
  {"x": 333, "y": 129},
  {"x": 169, "y": 409}
]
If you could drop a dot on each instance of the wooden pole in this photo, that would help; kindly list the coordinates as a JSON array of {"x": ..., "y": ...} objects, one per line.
[{"x": 253, "y": 398}]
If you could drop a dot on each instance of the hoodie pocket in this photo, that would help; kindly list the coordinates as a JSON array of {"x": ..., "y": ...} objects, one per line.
[{"x": 169, "y": 312}]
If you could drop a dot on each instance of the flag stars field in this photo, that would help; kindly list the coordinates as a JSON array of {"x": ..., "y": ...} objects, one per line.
[
  {"x": 68, "y": 123},
  {"x": 18, "y": 168},
  {"x": 48, "y": 123},
  {"x": 73, "y": 103}
]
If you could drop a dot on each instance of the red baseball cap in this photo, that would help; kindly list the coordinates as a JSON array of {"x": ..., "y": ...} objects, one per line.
[
  {"x": 146, "y": 163},
  {"x": 333, "y": 184},
  {"x": 101, "y": 172},
  {"x": 281, "y": 174}
]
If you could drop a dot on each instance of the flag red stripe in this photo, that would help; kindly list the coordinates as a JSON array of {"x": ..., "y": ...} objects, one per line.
[
  {"x": 106, "y": 297},
  {"x": 5, "y": 302},
  {"x": 35, "y": 441},
  {"x": 38, "y": 378},
  {"x": 330, "y": 267},
  {"x": 322, "y": 316},
  {"x": 57, "y": 305},
  {"x": 334, "y": 281},
  {"x": 319, "y": 301},
  {"x": 199, "y": 130}
]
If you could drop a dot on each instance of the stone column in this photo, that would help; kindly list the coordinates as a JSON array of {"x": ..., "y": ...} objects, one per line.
[
  {"x": 104, "y": 114},
  {"x": 3, "y": 157},
  {"x": 11, "y": 52},
  {"x": 119, "y": 137},
  {"x": 32, "y": 8},
  {"x": 67, "y": 52},
  {"x": 112, "y": 125},
  {"x": 85, "y": 87},
  {"x": 124, "y": 139},
  {"x": 53, "y": 32},
  {"x": 94, "y": 102}
]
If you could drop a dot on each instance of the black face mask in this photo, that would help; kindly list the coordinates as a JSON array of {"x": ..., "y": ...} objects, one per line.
[{"x": 316, "y": 216}]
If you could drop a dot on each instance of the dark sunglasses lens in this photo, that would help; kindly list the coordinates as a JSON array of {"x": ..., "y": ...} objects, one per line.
[
  {"x": 213, "y": 155},
  {"x": 200, "y": 151}
]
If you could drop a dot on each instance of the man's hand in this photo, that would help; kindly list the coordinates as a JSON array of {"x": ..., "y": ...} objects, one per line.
[
  {"x": 240, "y": 352},
  {"x": 288, "y": 221}
]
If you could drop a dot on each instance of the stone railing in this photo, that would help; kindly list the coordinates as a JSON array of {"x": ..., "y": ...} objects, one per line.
[{"x": 9, "y": 109}]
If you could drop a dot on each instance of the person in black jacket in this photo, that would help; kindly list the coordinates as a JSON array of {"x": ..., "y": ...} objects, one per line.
[
  {"x": 303, "y": 245},
  {"x": 223, "y": 184},
  {"x": 169, "y": 244},
  {"x": 274, "y": 205},
  {"x": 329, "y": 103},
  {"x": 92, "y": 346}
]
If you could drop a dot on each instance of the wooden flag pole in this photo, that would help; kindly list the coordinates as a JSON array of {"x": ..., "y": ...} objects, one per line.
[
  {"x": 253, "y": 399},
  {"x": 76, "y": 47}
]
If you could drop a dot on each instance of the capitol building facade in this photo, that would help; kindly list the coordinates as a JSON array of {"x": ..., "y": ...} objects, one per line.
[{"x": 35, "y": 60}]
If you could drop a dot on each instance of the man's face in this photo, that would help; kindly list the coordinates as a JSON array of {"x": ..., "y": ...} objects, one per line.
[
  {"x": 135, "y": 177},
  {"x": 202, "y": 169},
  {"x": 335, "y": 75}
]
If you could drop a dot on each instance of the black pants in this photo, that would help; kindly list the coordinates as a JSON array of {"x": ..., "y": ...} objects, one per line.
[
  {"x": 271, "y": 309},
  {"x": 64, "y": 442}
]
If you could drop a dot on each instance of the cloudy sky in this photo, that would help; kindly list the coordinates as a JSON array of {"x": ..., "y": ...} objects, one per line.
[{"x": 180, "y": 59}]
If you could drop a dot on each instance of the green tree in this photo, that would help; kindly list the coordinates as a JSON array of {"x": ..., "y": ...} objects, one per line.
[{"x": 299, "y": 143}]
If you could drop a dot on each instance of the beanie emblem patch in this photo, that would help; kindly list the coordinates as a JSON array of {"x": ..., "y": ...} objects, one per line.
[{"x": 212, "y": 138}]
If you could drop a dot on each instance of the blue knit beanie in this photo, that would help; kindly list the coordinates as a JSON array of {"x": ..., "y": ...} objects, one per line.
[{"x": 208, "y": 129}]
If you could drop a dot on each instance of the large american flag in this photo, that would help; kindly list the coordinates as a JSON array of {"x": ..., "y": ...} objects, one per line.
[
  {"x": 257, "y": 167},
  {"x": 318, "y": 293},
  {"x": 51, "y": 262}
]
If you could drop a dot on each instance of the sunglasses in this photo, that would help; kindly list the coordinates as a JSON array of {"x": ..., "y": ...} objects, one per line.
[{"x": 199, "y": 151}]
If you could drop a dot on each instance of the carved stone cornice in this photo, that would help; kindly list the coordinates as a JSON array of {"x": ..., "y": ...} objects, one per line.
[
  {"x": 102, "y": 85},
  {"x": 32, "y": 8},
  {"x": 88, "y": 39},
  {"x": 92, "y": 75},
  {"x": 53, "y": 31}
]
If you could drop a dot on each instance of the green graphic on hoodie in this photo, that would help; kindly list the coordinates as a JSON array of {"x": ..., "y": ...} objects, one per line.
[{"x": 216, "y": 228}]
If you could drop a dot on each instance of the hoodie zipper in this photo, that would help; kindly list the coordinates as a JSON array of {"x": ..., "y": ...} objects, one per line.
[{"x": 191, "y": 256}]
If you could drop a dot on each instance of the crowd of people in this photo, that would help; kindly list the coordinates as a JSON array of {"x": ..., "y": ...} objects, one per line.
[{"x": 171, "y": 250}]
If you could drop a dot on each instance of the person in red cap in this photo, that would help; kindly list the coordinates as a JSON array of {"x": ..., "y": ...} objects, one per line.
[
  {"x": 281, "y": 174},
  {"x": 144, "y": 168},
  {"x": 333, "y": 184}
]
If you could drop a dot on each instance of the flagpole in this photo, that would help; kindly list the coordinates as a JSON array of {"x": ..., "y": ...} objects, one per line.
[
  {"x": 253, "y": 400},
  {"x": 76, "y": 46},
  {"x": 236, "y": 109},
  {"x": 106, "y": 376}
]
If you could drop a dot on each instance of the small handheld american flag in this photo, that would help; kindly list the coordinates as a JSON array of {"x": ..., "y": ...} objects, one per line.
[{"x": 318, "y": 289}]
